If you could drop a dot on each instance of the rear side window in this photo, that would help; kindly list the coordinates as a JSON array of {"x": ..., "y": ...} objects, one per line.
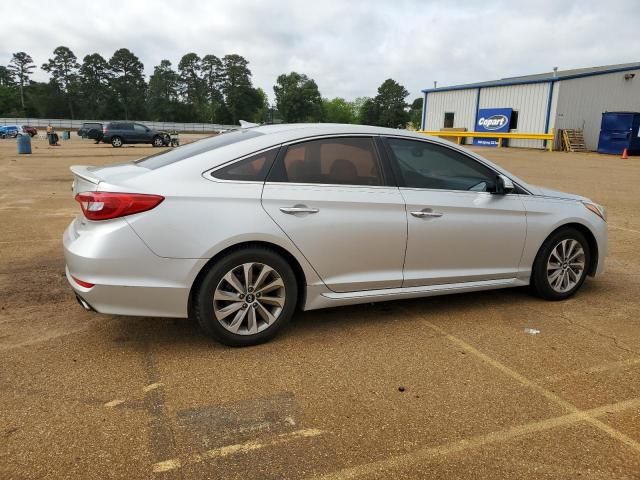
[
  {"x": 330, "y": 161},
  {"x": 201, "y": 146},
  {"x": 252, "y": 169}
]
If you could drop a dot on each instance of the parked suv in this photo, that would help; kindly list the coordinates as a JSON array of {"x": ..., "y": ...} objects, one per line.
[
  {"x": 119, "y": 133},
  {"x": 91, "y": 130},
  {"x": 12, "y": 131}
]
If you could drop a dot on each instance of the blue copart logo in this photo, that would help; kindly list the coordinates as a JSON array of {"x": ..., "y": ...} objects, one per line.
[{"x": 494, "y": 122}]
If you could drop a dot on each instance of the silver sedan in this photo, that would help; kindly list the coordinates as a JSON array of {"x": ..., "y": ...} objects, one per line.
[{"x": 239, "y": 230}]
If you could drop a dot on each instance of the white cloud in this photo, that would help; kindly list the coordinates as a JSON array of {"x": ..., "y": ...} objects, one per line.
[{"x": 349, "y": 48}]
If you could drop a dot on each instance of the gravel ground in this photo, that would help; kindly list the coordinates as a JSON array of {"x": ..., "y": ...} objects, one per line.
[{"x": 92, "y": 396}]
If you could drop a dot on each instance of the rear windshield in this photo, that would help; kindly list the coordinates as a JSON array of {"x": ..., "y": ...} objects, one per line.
[{"x": 206, "y": 144}]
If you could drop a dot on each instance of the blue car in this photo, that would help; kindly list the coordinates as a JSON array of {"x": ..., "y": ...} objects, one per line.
[{"x": 10, "y": 131}]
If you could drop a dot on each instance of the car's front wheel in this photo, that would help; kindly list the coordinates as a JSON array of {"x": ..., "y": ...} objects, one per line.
[
  {"x": 246, "y": 297},
  {"x": 561, "y": 265},
  {"x": 116, "y": 142},
  {"x": 158, "y": 141}
]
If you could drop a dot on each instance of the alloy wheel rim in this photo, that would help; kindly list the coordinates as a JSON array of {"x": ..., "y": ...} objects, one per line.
[
  {"x": 565, "y": 265},
  {"x": 249, "y": 298}
]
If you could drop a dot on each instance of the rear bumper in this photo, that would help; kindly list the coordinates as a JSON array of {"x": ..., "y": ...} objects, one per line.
[{"x": 128, "y": 278}]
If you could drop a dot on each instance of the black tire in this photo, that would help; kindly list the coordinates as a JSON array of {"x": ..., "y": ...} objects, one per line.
[
  {"x": 116, "y": 142},
  {"x": 203, "y": 308},
  {"x": 539, "y": 277},
  {"x": 157, "y": 141}
]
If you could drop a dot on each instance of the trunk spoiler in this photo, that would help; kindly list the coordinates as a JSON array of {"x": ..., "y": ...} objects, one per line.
[{"x": 83, "y": 179}]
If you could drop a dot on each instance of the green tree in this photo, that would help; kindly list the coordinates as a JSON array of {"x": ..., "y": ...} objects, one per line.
[
  {"x": 21, "y": 66},
  {"x": 357, "y": 105},
  {"x": 391, "y": 104},
  {"x": 262, "y": 114},
  {"x": 191, "y": 85},
  {"x": 213, "y": 79},
  {"x": 162, "y": 97},
  {"x": 95, "y": 75},
  {"x": 338, "y": 110},
  {"x": 241, "y": 99},
  {"x": 415, "y": 113},
  {"x": 6, "y": 77},
  {"x": 128, "y": 82},
  {"x": 63, "y": 68},
  {"x": 9, "y": 98},
  {"x": 369, "y": 112},
  {"x": 298, "y": 98}
]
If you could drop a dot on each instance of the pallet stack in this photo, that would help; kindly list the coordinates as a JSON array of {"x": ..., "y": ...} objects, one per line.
[{"x": 573, "y": 140}]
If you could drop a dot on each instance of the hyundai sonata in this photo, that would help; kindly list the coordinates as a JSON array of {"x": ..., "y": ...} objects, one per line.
[{"x": 238, "y": 230}]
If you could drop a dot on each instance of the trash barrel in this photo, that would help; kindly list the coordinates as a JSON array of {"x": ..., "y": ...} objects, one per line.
[
  {"x": 66, "y": 135},
  {"x": 24, "y": 144}
]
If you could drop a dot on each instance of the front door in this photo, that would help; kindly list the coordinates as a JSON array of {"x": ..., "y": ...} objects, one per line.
[
  {"x": 457, "y": 230},
  {"x": 330, "y": 197}
]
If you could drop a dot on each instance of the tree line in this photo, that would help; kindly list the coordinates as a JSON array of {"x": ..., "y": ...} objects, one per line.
[{"x": 201, "y": 89}]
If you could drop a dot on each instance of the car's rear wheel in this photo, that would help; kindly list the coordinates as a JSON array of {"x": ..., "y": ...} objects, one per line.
[
  {"x": 561, "y": 265},
  {"x": 116, "y": 142},
  {"x": 246, "y": 297},
  {"x": 158, "y": 141}
]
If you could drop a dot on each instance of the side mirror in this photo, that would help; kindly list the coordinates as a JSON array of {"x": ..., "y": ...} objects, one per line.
[{"x": 504, "y": 185}]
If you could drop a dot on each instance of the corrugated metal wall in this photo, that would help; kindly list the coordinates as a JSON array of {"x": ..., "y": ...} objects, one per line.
[
  {"x": 529, "y": 100},
  {"x": 582, "y": 101},
  {"x": 460, "y": 102}
]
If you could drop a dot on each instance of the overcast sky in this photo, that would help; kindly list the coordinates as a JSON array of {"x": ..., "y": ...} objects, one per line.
[{"x": 348, "y": 47}]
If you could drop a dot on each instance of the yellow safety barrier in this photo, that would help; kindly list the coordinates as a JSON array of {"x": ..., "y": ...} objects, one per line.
[{"x": 499, "y": 135}]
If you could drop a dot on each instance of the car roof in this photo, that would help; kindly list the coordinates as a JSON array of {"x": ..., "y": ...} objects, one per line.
[{"x": 301, "y": 130}]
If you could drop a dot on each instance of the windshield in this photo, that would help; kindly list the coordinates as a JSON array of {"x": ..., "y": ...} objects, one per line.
[{"x": 206, "y": 144}]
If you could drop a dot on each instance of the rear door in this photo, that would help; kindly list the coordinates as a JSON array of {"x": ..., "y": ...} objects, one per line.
[
  {"x": 140, "y": 133},
  {"x": 330, "y": 196},
  {"x": 457, "y": 230}
]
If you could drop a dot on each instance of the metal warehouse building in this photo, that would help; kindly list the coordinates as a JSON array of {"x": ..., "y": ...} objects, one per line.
[{"x": 571, "y": 99}]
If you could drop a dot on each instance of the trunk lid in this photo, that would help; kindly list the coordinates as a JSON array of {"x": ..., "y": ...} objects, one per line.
[{"x": 87, "y": 178}]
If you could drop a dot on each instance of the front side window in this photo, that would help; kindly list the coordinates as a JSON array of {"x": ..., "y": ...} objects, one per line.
[
  {"x": 139, "y": 128},
  {"x": 427, "y": 165},
  {"x": 330, "y": 161},
  {"x": 252, "y": 169}
]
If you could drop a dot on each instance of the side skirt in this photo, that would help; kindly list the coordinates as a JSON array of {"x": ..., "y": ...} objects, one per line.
[{"x": 321, "y": 297}]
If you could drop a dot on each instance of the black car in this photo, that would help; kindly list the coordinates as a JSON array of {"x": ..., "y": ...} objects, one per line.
[
  {"x": 119, "y": 133},
  {"x": 91, "y": 130}
]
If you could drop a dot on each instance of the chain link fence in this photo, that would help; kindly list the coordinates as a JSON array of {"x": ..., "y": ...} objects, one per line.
[{"x": 65, "y": 124}]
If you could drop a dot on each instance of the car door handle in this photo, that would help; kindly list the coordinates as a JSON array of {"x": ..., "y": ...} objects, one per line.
[
  {"x": 423, "y": 214},
  {"x": 298, "y": 209}
]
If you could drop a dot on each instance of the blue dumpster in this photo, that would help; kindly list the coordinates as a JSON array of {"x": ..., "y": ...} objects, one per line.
[
  {"x": 24, "y": 144},
  {"x": 66, "y": 135},
  {"x": 620, "y": 130}
]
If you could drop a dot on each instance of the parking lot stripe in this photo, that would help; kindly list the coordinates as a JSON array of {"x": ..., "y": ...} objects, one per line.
[
  {"x": 625, "y": 229},
  {"x": 630, "y": 442},
  {"x": 590, "y": 370},
  {"x": 227, "y": 450},
  {"x": 153, "y": 386},
  {"x": 420, "y": 455}
]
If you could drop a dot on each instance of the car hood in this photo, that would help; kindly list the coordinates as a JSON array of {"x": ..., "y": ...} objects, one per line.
[{"x": 547, "y": 192}]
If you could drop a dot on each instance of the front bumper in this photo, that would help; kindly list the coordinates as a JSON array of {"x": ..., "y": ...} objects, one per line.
[{"x": 128, "y": 278}]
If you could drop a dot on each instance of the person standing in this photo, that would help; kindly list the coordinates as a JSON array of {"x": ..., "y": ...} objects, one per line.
[{"x": 52, "y": 136}]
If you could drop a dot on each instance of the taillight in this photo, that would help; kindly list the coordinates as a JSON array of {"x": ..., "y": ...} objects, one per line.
[
  {"x": 82, "y": 283},
  {"x": 107, "y": 205}
]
